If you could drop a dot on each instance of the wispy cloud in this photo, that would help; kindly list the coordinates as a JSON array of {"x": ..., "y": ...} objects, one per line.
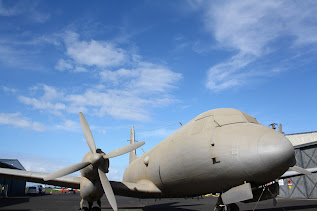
[
  {"x": 160, "y": 132},
  {"x": 146, "y": 76},
  {"x": 9, "y": 11},
  {"x": 37, "y": 163},
  {"x": 26, "y": 8},
  {"x": 136, "y": 93},
  {"x": 68, "y": 125},
  {"x": 126, "y": 87},
  {"x": 251, "y": 30},
  {"x": 13, "y": 56},
  {"x": 9, "y": 90},
  {"x": 82, "y": 53},
  {"x": 19, "y": 121}
]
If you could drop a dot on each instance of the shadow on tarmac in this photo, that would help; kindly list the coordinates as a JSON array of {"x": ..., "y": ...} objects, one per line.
[
  {"x": 4, "y": 202},
  {"x": 168, "y": 206},
  {"x": 305, "y": 207},
  {"x": 172, "y": 206}
]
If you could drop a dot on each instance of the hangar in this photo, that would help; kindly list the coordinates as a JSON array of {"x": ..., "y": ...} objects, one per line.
[
  {"x": 11, "y": 187},
  {"x": 302, "y": 187}
]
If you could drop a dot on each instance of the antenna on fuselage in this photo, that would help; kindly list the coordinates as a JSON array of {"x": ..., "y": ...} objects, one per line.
[
  {"x": 273, "y": 126},
  {"x": 280, "y": 128}
]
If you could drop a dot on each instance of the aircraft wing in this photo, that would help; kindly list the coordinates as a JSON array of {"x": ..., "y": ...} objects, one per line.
[
  {"x": 29, "y": 176},
  {"x": 290, "y": 174},
  {"x": 144, "y": 188}
]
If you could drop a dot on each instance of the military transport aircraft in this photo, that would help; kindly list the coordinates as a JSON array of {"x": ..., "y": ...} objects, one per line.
[{"x": 222, "y": 151}]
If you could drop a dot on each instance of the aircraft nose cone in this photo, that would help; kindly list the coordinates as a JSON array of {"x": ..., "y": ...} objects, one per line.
[{"x": 276, "y": 152}]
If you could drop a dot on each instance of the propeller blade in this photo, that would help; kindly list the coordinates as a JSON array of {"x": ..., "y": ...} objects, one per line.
[
  {"x": 300, "y": 170},
  {"x": 67, "y": 170},
  {"x": 123, "y": 150},
  {"x": 107, "y": 189},
  {"x": 87, "y": 132}
]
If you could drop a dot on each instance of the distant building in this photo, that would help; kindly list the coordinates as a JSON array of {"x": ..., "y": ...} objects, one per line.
[
  {"x": 302, "y": 187},
  {"x": 11, "y": 187}
]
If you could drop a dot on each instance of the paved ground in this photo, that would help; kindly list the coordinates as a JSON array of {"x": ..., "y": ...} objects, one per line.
[{"x": 71, "y": 202}]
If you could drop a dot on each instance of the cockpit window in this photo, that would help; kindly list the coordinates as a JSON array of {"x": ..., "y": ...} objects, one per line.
[
  {"x": 234, "y": 118},
  {"x": 229, "y": 119},
  {"x": 250, "y": 118},
  {"x": 219, "y": 117}
]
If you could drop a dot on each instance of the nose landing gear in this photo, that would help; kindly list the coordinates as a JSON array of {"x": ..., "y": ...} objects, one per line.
[
  {"x": 90, "y": 208},
  {"x": 225, "y": 207}
]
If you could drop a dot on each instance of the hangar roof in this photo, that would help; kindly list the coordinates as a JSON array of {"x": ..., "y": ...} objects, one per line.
[
  {"x": 298, "y": 139},
  {"x": 13, "y": 163}
]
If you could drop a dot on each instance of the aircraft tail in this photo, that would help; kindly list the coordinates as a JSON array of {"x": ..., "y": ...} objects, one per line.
[{"x": 132, "y": 140}]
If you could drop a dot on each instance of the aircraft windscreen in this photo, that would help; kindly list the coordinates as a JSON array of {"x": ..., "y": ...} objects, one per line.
[{"x": 250, "y": 118}]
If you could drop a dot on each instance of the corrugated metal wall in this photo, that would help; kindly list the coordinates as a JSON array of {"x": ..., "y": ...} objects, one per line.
[
  {"x": 302, "y": 187},
  {"x": 15, "y": 187}
]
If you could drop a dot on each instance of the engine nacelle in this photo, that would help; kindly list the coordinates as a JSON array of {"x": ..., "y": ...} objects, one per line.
[{"x": 90, "y": 190}]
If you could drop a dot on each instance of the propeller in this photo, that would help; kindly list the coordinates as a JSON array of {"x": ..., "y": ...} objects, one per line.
[
  {"x": 300, "y": 170},
  {"x": 96, "y": 159}
]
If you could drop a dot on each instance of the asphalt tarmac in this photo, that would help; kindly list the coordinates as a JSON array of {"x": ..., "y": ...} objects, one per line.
[{"x": 69, "y": 201}]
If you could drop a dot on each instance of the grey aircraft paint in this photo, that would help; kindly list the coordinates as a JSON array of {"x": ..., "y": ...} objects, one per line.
[{"x": 222, "y": 150}]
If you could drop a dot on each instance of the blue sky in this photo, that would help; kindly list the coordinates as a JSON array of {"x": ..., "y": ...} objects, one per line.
[{"x": 149, "y": 64}]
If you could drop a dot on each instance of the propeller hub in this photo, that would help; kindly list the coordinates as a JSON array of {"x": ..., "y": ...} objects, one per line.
[{"x": 96, "y": 158}]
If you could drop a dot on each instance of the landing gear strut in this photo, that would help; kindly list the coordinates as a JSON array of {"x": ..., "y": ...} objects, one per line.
[
  {"x": 228, "y": 207},
  {"x": 90, "y": 208}
]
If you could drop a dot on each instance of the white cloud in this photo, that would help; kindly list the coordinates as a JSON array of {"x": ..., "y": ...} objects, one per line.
[
  {"x": 155, "y": 78},
  {"x": 11, "y": 56},
  {"x": 50, "y": 93},
  {"x": 42, "y": 104},
  {"x": 17, "y": 120},
  {"x": 144, "y": 89},
  {"x": 115, "y": 174},
  {"x": 146, "y": 78},
  {"x": 26, "y": 8},
  {"x": 249, "y": 29},
  {"x": 160, "y": 132},
  {"x": 36, "y": 163},
  {"x": 117, "y": 76},
  {"x": 118, "y": 104},
  {"x": 137, "y": 91},
  {"x": 6, "y": 11},
  {"x": 69, "y": 125},
  {"x": 93, "y": 53},
  {"x": 49, "y": 101},
  {"x": 63, "y": 65},
  {"x": 9, "y": 90},
  {"x": 123, "y": 85},
  {"x": 228, "y": 74}
]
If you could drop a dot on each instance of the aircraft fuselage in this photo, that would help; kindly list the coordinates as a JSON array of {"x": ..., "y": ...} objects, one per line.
[{"x": 214, "y": 152}]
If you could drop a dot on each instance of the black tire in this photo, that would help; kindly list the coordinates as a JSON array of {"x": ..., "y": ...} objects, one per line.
[
  {"x": 233, "y": 207},
  {"x": 219, "y": 208}
]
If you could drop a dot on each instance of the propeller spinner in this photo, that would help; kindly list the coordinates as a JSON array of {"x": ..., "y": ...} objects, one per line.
[{"x": 96, "y": 159}]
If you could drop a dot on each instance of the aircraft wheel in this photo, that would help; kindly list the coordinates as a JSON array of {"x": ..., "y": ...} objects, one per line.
[
  {"x": 84, "y": 209},
  {"x": 96, "y": 209},
  {"x": 232, "y": 207},
  {"x": 229, "y": 207},
  {"x": 219, "y": 208}
]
